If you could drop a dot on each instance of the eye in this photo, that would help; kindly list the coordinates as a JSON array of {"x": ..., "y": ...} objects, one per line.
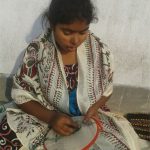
[
  {"x": 82, "y": 33},
  {"x": 85, "y": 32},
  {"x": 67, "y": 32}
]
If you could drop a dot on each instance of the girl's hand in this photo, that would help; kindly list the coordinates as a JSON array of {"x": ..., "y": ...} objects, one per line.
[
  {"x": 63, "y": 124},
  {"x": 92, "y": 112}
]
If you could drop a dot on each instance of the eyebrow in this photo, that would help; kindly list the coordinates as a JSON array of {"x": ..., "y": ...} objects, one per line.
[{"x": 70, "y": 30}]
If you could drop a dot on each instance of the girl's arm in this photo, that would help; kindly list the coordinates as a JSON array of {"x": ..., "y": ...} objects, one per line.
[
  {"x": 36, "y": 109},
  {"x": 59, "y": 122}
]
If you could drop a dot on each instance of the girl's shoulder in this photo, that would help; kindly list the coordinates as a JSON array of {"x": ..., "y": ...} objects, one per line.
[
  {"x": 98, "y": 44},
  {"x": 43, "y": 41},
  {"x": 44, "y": 37},
  {"x": 97, "y": 40}
]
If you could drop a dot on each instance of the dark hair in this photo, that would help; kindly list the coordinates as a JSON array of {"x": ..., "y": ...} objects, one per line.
[{"x": 67, "y": 11}]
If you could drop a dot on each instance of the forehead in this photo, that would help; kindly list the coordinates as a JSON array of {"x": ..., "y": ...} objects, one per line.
[{"x": 76, "y": 26}]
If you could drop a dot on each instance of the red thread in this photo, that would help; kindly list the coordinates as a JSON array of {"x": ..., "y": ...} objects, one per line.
[{"x": 99, "y": 129}]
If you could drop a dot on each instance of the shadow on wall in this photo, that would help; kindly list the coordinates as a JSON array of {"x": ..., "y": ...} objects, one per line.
[
  {"x": 9, "y": 80},
  {"x": 36, "y": 30}
]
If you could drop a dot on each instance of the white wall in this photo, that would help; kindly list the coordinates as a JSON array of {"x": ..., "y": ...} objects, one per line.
[
  {"x": 20, "y": 22},
  {"x": 123, "y": 25}
]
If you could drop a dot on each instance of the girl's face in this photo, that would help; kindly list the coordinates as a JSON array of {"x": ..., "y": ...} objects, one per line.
[{"x": 69, "y": 36}]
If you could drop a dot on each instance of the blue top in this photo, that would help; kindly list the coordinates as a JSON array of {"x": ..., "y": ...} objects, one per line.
[{"x": 71, "y": 77}]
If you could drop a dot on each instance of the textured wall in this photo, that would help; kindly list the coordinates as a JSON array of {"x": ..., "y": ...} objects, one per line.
[
  {"x": 20, "y": 22},
  {"x": 123, "y": 25}
]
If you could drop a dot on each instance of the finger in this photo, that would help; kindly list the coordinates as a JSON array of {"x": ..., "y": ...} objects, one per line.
[
  {"x": 62, "y": 131},
  {"x": 96, "y": 115},
  {"x": 68, "y": 130},
  {"x": 71, "y": 127},
  {"x": 87, "y": 121},
  {"x": 86, "y": 117},
  {"x": 71, "y": 124}
]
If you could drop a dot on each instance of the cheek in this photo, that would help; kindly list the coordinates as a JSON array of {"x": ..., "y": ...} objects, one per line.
[
  {"x": 83, "y": 38},
  {"x": 62, "y": 40},
  {"x": 65, "y": 39}
]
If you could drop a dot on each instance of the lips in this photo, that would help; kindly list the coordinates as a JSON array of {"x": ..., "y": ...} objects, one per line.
[{"x": 71, "y": 48}]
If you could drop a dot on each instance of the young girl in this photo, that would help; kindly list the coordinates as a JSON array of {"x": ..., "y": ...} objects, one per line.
[{"x": 66, "y": 72}]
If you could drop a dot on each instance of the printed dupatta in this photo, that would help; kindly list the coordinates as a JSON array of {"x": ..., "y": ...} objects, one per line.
[{"x": 42, "y": 78}]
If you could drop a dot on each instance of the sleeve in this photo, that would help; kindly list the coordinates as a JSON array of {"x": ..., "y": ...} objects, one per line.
[
  {"x": 26, "y": 83},
  {"x": 108, "y": 66}
]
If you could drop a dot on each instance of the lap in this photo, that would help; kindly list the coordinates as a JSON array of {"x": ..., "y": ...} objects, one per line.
[{"x": 115, "y": 133}]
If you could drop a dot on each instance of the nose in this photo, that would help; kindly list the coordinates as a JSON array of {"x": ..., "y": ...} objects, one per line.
[{"x": 75, "y": 40}]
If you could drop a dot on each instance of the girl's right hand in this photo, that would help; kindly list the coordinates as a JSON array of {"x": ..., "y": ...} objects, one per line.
[{"x": 63, "y": 124}]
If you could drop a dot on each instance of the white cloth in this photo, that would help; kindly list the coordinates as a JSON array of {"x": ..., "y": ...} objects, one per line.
[{"x": 42, "y": 78}]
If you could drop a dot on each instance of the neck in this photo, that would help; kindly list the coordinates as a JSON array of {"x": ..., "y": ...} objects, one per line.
[{"x": 69, "y": 57}]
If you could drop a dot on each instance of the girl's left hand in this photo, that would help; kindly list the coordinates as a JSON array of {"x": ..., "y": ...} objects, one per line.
[{"x": 92, "y": 112}]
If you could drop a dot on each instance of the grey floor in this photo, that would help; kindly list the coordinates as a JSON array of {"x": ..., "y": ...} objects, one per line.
[
  {"x": 131, "y": 100},
  {"x": 127, "y": 99}
]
